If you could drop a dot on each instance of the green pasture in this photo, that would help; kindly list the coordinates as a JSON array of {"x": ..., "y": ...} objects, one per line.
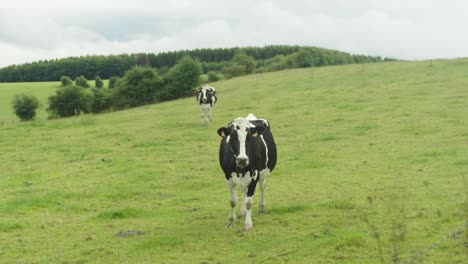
[{"x": 372, "y": 161}]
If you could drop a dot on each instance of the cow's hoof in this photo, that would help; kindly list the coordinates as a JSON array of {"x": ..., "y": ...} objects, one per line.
[
  {"x": 248, "y": 227},
  {"x": 261, "y": 209},
  {"x": 230, "y": 222}
]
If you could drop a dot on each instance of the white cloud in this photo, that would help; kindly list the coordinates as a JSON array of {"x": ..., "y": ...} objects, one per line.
[{"x": 417, "y": 29}]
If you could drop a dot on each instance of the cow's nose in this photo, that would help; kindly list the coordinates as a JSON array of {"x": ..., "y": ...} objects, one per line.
[
  {"x": 204, "y": 100},
  {"x": 242, "y": 161}
]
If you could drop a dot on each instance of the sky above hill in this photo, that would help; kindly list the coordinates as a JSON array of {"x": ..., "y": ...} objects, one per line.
[{"x": 32, "y": 30}]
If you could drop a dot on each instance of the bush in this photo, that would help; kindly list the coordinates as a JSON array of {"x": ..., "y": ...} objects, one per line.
[
  {"x": 82, "y": 82},
  {"x": 241, "y": 64},
  {"x": 203, "y": 79},
  {"x": 112, "y": 81},
  {"x": 277, "y": 63},
  {"x": 300, "y": 59},
  {"x": 65, "y": 80},
  {"x": 138, "y": 87},
  {"x": 213, "y": 76},
  {"x": 69, "y": 101},
  {"x": 25, "y": 106},
  {"x": 233, "y": 71},
  {"x": 243, "y": 59},
  {"x": 101, "y": 101},
  {"x": 181, "y": 79},
  {"x": 99, "y": 82}
]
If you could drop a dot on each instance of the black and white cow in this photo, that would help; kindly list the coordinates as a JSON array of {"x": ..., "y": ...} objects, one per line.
[
  {"x": 206, "y": 99},
  {"x": 247, "y": 155}
]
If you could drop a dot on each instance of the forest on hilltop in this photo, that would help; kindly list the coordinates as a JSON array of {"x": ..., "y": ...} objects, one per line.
[{"x": 268, "y": 58}]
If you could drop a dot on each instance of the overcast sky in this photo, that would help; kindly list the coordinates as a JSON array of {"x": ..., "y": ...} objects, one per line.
[{"x": 32, "y": 30}]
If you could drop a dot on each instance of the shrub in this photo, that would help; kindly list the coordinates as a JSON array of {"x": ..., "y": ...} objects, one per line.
[
  {"x": 241, "y": 64},
  {"x": 233, "y": 71},
  {"x": 203, "y": 79},
  {"x": 82, "y": 82},
  {"x": 181, "y": 79},
  {"x": 213, "y": 76},
  {"x": 112, "y": 81},
  {"x": 69, "y": 101},
  {"x": 243, "y": 59},
  {"x": 101, "y": 100},
  {"x": 99, "y": 82},
  {"x": 25, "y": 106},
  {"x": 65, "y": 80},
  {"x": 138, "y": 87},
  {"x": 277, "y": 63},
  {"x": 300, "y": 59}
]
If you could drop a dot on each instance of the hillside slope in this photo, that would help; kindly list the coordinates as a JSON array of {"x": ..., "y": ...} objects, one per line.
[{"x": 363, "y": 150}]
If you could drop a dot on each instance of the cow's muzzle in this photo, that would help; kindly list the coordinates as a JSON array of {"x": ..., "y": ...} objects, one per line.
[{"x": 242, "y": 162}]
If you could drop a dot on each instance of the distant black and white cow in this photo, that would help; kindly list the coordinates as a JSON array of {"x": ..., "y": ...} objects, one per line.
[
  {"x": 206, "y": 99},
  {"x": 247, "y": 155}
]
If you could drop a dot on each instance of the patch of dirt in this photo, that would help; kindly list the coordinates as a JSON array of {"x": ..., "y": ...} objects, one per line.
[{"x": 130, "y": 233}]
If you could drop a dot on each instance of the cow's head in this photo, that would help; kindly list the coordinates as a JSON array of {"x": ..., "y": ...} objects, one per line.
[
  {"x": 206, "y": 93},
  {"x": 238, "y": 135}
]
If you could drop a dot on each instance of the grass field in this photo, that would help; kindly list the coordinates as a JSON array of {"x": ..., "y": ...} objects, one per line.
[{"x": 371, "y": 167}]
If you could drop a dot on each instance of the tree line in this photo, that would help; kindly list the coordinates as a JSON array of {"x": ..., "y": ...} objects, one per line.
[{"x": 268, "y": 58}]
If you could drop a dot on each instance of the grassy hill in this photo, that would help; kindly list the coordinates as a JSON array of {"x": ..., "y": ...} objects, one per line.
[{"x": 364, "y": 151}]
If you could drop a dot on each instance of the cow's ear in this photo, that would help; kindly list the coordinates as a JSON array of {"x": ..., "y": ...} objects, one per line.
[
  {"x": 258, "y": 130},
  {"x": 223, "y": 132}
]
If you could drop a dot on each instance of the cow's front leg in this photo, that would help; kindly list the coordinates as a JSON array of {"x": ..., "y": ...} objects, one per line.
[
  {"x": 248, "y": 213},
  {"x": 244, "y": 199},
  {"x": 248, "y": 205},
  {"x": 232, "y": 201},
  {"x": 209, "y": 115},
  {"x": 202, "y": 116}
]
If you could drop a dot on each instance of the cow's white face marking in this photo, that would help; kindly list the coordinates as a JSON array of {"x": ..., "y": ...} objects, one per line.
[
  {"x": 203, "y": 94},
  {"x": 241, "y": 126}
]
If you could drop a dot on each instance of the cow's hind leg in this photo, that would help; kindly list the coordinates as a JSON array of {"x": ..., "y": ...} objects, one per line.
[
  {"x": 232, "y": 201},
  {"x": 261, "y": 207}
]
